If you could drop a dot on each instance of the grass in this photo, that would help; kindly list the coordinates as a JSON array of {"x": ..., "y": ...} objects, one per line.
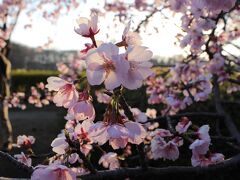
[{"x": 24, "y": 72}]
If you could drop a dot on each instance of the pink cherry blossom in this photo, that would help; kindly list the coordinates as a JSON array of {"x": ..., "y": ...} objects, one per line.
[
  {"x": 82, "y": 110},
  {"x": 25, "y": 141},
  {"x": 199, "y": 160},
  {"x": 136, "y": 132},
  {"x": 23, "y": 159},
  {"x": 86, "y": 27},
  {"x": 60, "y": 145},
  {"x": 203, "y": 133},
  {"x": 119, "y": 133},
  {"x": 203, "y": 160},
  {"x": 110, "y": 161},
  {"x": 66, "y": 95},
  {"x": 162, "y": 149},
  {"x": 138, "y": 58},
  {"x": 138, "y": 115},
  {"x": 82, "y": 133},
  {"x": 116, "y": 134},
  {"x": 131, "y": 38},
  {"x": 102, "y": 97},
  {"x": 162, "y": 133},
  {"x": 216, "y": 158},
  {"x": 151, "y": 113},
  {"x": 183, "y": 125},
  {"x": 73, "y": 158},
  {"x": 103, "y": 65},
  {"x": 200, "y": 146},
  {"x": 53, "y": 172}
]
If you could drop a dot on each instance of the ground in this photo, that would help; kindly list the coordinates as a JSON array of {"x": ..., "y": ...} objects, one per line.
[{"x": 42, "y": 123}]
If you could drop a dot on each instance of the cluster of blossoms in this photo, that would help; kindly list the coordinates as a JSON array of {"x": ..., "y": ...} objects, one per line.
[
  {"x": 16, "y": 100},
  {"x": 25, "y": 142},
  {"x": 39, "y": 97},
  {"x": 116, "y": 69},
  {"x": 186, "y": 83},
  {"x": 165, "y": 144},
  {"x": 206, "y": 31},
  {"x": 104, "y": 64}
]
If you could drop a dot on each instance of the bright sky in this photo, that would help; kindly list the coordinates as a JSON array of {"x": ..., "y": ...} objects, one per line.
[{"x": 64, "y": 37}]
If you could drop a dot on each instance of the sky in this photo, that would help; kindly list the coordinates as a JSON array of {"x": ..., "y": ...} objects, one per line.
[{"x": 64, "y": 37}]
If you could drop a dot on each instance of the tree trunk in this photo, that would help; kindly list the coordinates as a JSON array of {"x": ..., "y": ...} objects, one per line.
[{"x": 5, "y": 76}]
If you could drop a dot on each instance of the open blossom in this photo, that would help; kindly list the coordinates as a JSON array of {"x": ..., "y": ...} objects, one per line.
[
  {"x": 118, "y": 130},
  {"x": 183, "y": 125},
  {"x": 86, "y": 27},
  {"x": 151, "y": 113},
  {"x": 162, "y": 149},
  {"x": 53, "y": 172},
  {"x": 131, "y": 38},
  {"x": 140, "y": 67},
  {"x": 102, "y": 97},
  {"x": 110, "y": 161},
  {"x": 60, "y": 145},
  {"x": 23, "y": 159},
  {"x": 82, "y": 134},
  {"x": 103, "y": 65},
  {"x": 203, "y": 133},
  {"x": 116, "y": 134},
  {"x": 138, "y": 115},
  {"x": 136, "y": 132},
  {"x": 82, "y": 110},
  {"x": 66, "y": 91},
  {"x": 25, "y": 141},
  {"x": 162, "y": 133},
  {"x": 202, "y": 160},
  {"x": 201, "y": 145}
]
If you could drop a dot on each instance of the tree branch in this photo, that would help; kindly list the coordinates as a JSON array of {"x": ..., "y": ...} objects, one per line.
[
  {"x": 176, "y": 171},
  {"x": 16, "y": 163}
]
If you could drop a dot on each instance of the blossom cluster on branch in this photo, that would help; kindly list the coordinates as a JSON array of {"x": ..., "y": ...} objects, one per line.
[{"x": 103, "y": 71}]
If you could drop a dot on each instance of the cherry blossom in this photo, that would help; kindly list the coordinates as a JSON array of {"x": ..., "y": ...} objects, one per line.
[
  {"x": 138, "y": 115},
  {"x": 82, "y": 110},
  {"x": 110, "y": 161},
  {"x": 103, "y": 65},
  {"x": 86, "y": 27},
  {"x": 151, "y": 113},
  {"x": 131, "y": 38},
  {"x": 53, "y": 172},
  {"x": 118, "y": 131},
  {"x": 60, "y": 145},
  {"x": 201, "y": 145},
  {"x": 82, "y": 133},
  {"x": 183, "y": 125},
  {"x": 162, "y": 149},
  {"x": 116, "y": 134},
  {"x": 25, "y": 141},
  {"x": 23, "y": 159},
  {"x": 202, "y": 160},
  {"x": 102, "y": 97},
  {"x": 66, "y": 95},
  {"x": 138, "y": 58}
]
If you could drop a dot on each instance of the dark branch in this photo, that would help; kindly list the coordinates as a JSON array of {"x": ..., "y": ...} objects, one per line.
[
  {"x": 16, "y": 163},
  {"x": 177, "y": 171}
]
